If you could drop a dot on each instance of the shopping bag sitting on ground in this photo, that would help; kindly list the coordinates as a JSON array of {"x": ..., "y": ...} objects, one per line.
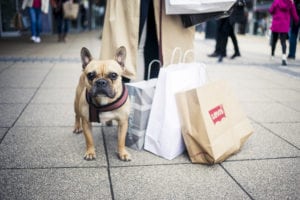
[
  {"x": 213, "y": 123},
  {"x": 141, "y": 95},
  {"x": 163, "y": 135}
]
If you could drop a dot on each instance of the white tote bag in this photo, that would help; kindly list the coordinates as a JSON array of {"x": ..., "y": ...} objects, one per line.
[
  {"x": 175, "y": 7},
  {"x": 163, "y": 134}
]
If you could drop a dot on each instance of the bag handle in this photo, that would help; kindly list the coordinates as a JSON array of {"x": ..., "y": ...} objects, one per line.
[
  {"x": 177, "y": 49},
  {"x": 150, "y": 66},
  {"x": 187, "y": 52}
]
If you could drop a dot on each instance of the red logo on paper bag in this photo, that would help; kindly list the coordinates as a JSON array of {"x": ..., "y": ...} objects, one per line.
[{"x": 217, "y": 113}]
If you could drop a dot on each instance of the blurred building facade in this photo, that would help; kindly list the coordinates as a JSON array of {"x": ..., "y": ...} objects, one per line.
[{"x": 91, "y": 15}]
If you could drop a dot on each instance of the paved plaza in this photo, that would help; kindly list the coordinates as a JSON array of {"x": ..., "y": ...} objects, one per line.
[{"x": 40, "y": 157}]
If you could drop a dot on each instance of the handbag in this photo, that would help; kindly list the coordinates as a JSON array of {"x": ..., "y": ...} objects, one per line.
[
  {"x": 141, "y": 96},
  {"x": 163, "y": 135},
  {"x": 213, "y": 123},
  {"x": 70, "y": 10},
  {"x": 18, "y": 21},
  {"x": 175, "y": 7}
]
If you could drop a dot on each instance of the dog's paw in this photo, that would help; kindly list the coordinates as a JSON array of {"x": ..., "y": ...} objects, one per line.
[
  {"x": 124, "y": 155},
  {"x": 90, "y": 154}
]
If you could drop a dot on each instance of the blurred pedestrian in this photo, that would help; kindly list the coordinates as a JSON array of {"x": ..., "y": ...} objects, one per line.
[
  {"x": 225, "y": 28},
  {"x": 127, "y": 22},
  {"x": 294, "y": 30},
  {"x": 35, "y": 9},
  {"x": 84, "y": 4},
  {"x": 62, "y": 24},
  {"x": 281, "y": 11}
]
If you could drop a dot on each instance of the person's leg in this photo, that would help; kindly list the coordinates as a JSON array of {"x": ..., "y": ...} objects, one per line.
[
  {"x": 273, "y": 42},
  {"x": 59, "y": 25},
  {"x": 33, "y": 23},
  {"x": 151, "y": 49},
  {"x": 293, "y": 41},
  {"x": 38, "y": 24},
  {"x": 234, "y": 41},
  {"x": 283, "y": 38},
  {"x": 216, "y": 52},
  {"x": 65, "y": 29},
  {"x": 223, "y": 38}
]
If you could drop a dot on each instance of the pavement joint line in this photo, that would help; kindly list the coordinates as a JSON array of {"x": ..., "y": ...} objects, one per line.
[
  {"x": 231, "y": 176},
  {"x": 287, "y": 105},
  {"x": 108, "y": 165},
  {"x": 46, "y": 168},
  {"x": 6, "y": 67},
  {"x": 26, "y": 105},
  {"x": 279, "y": 136},
  {"x": 152, "y": 165},
  {"x": 275, "y": 134},
  {"x": 261, "y": 159}
]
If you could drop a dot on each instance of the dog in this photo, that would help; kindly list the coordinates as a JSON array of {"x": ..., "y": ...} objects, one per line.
[{"x": 101, "y": 88}]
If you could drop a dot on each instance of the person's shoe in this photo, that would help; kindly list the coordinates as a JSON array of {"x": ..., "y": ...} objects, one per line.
[
  {"x": 220, "y": 59},
  {"x": 283, "y": 63},
  {"x": 37, "y": 40},
  {"x": 235, "y": 55},
  {"x": 291, "y": 57},
  {"x": 214, "y": 54},
  {"x": 33, "y": 38}
]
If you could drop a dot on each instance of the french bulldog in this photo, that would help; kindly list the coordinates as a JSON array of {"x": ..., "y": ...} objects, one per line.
[{"x": 101, "y": 94}]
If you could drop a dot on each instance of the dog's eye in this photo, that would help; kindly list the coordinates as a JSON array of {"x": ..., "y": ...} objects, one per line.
[
  {"x": 113, "y": 76},
  {"x": 91, "y": 75}
]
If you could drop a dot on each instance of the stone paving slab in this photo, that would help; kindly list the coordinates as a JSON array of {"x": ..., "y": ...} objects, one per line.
[
  {"x": 54, "y": 96},
  {"x": 268, "y": 179},
  {"x": 251, "y": 95},
  {"x": 288, "y": 131},
  {"x": 283, "y": 95},
  {"x": 174, "y": 182},
  {"x": 16, "y": 95},
  {"x": 47, "y": 115},
  {"x": 270, "y": 112},
  {"x": 22, "y": 78},
  {"x": 9, "y": 113},
  {"x": 58, "y": 183},
  {"x": 263, "y": 144},
  {"x": 5, "y": 65},
  {"x": 2, "y": 132},
  {"x": 141, "y": 157},
  {"x": 48, "y": 147},
  {"x": 62, "y": 80}
]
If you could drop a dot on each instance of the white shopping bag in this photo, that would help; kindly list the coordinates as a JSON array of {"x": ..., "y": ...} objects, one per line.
[
  {"x": 175, "y": 7},
  {"x": 163, "y": 134}
]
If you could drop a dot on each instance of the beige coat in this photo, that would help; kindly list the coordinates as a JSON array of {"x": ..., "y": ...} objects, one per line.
[
  {"x": 121, "y": 27},
  {"x": 28, "y": 3}
]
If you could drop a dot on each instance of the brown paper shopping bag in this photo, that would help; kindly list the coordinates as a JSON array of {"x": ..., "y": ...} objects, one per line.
[
  {"x": 70, "y": 10},
  {"x": 213, "y": 124}
]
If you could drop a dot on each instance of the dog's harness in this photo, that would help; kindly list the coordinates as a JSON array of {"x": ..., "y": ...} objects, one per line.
[{"x": 95, "y": 110}]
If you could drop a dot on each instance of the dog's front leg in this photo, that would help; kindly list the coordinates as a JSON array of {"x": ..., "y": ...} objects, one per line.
[
  {"x": 90, "y": 148},
  {"x": 122, "y": 131}
]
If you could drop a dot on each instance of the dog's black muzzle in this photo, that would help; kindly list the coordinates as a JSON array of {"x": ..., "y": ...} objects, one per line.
[{"x": 102, "y": 87}]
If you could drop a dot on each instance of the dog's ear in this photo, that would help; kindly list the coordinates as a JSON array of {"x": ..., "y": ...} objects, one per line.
[
  {"x": 120, "y": 56},
  {"x": 86, "y": 57}
]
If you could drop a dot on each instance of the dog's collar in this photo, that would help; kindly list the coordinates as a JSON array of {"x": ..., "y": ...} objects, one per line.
[{"x": 96, "y": 109}]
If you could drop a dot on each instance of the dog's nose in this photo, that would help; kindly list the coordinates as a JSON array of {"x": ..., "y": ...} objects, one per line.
[{"x": 101, "y": 83}]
